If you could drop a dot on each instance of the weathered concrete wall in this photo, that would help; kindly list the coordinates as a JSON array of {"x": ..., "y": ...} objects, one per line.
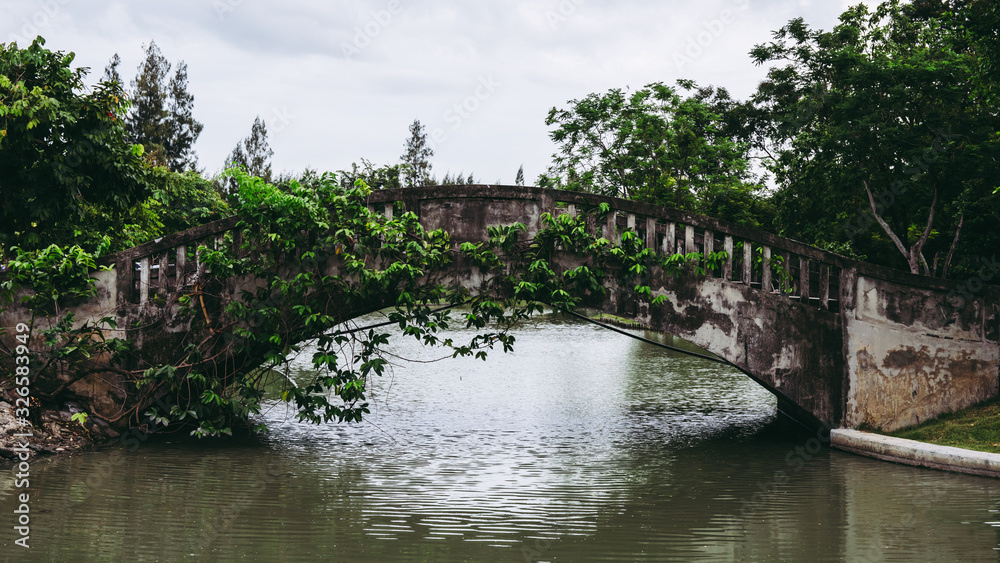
[
  {"x": 791, "y": 349},
  {"x": 913, "y": 353}
]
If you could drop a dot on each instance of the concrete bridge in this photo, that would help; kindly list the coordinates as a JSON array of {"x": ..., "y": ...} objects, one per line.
[{"x": 839, "y": 342}]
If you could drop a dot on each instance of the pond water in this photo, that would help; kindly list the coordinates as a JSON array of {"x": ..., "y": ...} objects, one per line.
[{"x": 582, "y": 444}]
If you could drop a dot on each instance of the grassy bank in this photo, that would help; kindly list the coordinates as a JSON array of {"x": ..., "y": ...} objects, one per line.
[{"x": 975, "y": 428}]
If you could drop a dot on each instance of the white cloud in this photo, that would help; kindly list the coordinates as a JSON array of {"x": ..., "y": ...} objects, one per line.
[{"x": 287, "y": 62}]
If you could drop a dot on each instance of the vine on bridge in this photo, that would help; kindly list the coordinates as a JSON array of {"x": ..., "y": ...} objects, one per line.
[{"x": 308, "y": 257}]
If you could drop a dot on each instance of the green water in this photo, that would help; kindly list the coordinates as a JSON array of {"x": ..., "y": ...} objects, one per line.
[{"x": 582, "y": 445}]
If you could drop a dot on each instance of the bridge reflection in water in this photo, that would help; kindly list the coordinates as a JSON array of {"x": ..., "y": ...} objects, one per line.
[{"x": 581, "y": 445}]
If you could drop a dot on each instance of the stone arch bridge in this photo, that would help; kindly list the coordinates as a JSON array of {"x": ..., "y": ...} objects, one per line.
[{"x": 840, "y": 343}]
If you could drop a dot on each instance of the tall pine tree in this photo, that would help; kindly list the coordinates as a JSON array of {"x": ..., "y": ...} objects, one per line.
[
  {"x": 253, "y": 154},
  {"x": 162, "y": 118},
  {"x": 416, "y": 158}
]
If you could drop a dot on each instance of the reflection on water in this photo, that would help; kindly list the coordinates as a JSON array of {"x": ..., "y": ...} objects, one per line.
[{"x": 581, "y": 445}]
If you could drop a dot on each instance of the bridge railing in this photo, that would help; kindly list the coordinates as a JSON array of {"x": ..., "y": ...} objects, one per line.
[
  {"x": 149, "y": 272},
  {"x": 762, "y": 265},
  {"x": 755, "y": 258}
]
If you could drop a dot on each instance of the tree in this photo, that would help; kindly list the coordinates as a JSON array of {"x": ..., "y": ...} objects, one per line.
[
  {"x": 877, "y": 126},
  {"x": 61, "y": 148},
  {"x": 653, "y": 145},
  {"x": 162, "y": 117},
  {"x": 254, "y": 153},
  {"x": 459, "y": 179},
  {"x": 375, "y": 177},
  {"x": 111, "y": 70},
  {"x": 519, "y": 178},
  {"x": 416, "y": 158},
  {"x": 183, "y": 130}
]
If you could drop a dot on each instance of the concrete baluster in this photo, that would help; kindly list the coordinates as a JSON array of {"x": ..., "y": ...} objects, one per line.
[
  {"x": 199, "y": 266},
  {"x": 125, "y": 282},
  {"x": 824, "y": 286},
  {"x": 747, "y": 262},
  {"x": 180, "y": 265},
  {"x": 787, "y": 283},
  {"x": 727, "y": 266},
  {"x": 669, "y": 239},
  {"x": 765, "y": 269},
  {"x": 162, "y": 279},
  {"x": 689, "y": 239},
  {"x": 143, "y": 281},
  {"x": 611, "y": 229},
  {"x": 651, "y": 233},
  {"x": 804, "y": 279},
  {"x": 388, "y": 211},
  {"x": 571, "y": 209}
]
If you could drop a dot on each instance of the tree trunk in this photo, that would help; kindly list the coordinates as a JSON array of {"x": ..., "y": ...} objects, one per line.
[{"x": 912, "y": 254}]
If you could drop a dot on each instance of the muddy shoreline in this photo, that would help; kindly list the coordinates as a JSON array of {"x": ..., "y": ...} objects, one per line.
[{"x": 53, "y": 431}]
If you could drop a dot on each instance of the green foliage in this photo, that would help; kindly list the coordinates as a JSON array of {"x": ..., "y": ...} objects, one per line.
[
  {"x": 79, "y": 418},
  {"x": 177, "y": 201},
  {"x": 459, "y": 179},
  {"x": 376, "y": 177},
  {"x": 46, "y": 282},
  {"x": 60, "y": 149},
  {"x": 886, "y": 102},
  {"x": 161, "y": 118},
  {"x": 315, "y": 250},
  {"x": 52, "y": 276},
  {"x": 183, "y": 200},
  {"x": 655, "y": 145},
  {"x": 254, "y": 153},
  {"x": 416, "y": 157}
]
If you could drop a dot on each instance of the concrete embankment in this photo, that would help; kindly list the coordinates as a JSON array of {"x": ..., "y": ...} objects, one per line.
[{"x": 920, "y": 454}]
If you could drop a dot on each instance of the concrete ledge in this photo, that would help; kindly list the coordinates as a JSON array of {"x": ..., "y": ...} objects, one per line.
[{"x": 911, "y": 452}]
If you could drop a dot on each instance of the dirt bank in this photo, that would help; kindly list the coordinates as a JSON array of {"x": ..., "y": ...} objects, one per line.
[{"x": 51, "y": 431}]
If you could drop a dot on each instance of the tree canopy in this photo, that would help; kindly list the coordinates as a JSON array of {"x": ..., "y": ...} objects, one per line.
[
  {"x": 62, "y": 147},
  {"x": 877, "y": 133},
  {"x": 416, "y": 157},
  {"x": 655, "y": 145},
  {"x": 254, "y": 153},
  {"x": 162, "y": 118}
]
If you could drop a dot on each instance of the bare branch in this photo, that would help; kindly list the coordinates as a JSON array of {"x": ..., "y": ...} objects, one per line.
[
  {"x": 954, "y": 242},
  {"x": 885, "y": 226},
  {"x": 918, "y": 246}
]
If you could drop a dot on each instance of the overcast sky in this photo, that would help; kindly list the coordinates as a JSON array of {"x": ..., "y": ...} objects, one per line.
[{"x": 337, "y": 81}]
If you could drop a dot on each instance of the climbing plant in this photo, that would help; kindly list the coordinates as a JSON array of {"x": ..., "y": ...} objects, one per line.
[
  {"x": 46, "y": 282},
  {"x": 307, "y": 256}
]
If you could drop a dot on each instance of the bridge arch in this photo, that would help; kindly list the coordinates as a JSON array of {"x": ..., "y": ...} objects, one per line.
[{"x": 840, "y": 342}]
